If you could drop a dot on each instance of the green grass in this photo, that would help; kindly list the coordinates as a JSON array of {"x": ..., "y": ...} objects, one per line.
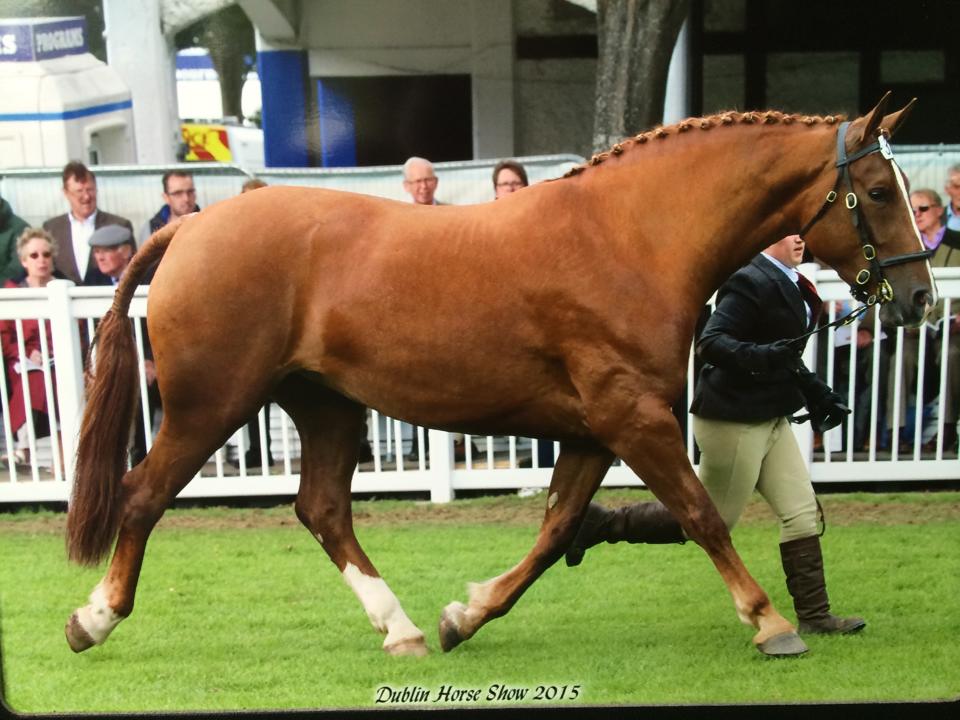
[{"x": 257, "y": 617}]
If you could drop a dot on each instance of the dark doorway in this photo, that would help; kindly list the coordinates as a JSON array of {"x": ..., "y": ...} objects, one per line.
[{"x": 384, "y": 120}]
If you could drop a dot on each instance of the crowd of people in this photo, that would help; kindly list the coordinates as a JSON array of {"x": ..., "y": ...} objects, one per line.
[{"x": 92, "y": 246}]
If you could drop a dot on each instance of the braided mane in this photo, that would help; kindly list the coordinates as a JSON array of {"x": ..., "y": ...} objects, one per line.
[{"x": 721, "y": 119}]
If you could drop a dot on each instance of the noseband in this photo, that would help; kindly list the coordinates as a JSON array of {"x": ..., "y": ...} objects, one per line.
[{"x": 859, "y": 290}]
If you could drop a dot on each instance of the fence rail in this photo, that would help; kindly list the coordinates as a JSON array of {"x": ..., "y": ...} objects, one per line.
[{"x": 497, "y": 462}]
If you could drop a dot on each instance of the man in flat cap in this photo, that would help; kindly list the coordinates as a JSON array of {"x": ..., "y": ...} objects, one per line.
[{"x": 112, "y": 248}]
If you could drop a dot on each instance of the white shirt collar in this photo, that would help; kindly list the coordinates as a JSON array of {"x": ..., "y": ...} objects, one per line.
[{"x": 788, "y": 271}]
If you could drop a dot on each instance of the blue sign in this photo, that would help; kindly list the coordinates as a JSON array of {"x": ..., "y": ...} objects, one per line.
[{"x": 32, "y": 39}]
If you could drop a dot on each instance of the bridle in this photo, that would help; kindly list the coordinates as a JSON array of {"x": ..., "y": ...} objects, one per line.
[{"x": 859, "y": 289}]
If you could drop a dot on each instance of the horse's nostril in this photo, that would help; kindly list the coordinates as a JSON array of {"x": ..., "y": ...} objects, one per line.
[{"x": 922, "y": 298}]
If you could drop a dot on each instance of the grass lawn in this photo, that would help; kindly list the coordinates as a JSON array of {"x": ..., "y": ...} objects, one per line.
[{"x": 240, "y": 609}]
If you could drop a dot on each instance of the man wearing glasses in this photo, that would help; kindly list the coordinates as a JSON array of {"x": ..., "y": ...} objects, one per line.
[
  {"x": 180, "y": 196},
  {"x": 420, "y": 181},
  {"x": 72, "y": 231}
]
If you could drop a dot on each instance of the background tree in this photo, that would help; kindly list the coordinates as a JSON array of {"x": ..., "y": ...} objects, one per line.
[
  {"x": 635, "y": 41},
  {"x": 229, "y": 37}
]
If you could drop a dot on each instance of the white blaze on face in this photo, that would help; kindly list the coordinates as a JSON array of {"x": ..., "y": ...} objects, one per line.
[
  {"x": 381, "y": 605},
  {"x": 97, "y": 618},
  {"x": 901, "y": 183}
]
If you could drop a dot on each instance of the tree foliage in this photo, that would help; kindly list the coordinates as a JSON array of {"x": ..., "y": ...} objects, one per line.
[{"x": 635, "y": 39}]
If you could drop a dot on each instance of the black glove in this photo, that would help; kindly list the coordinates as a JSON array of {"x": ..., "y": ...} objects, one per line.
[
  {"x": 779, "y": 355},
  {"x": 828, "y": 414}
]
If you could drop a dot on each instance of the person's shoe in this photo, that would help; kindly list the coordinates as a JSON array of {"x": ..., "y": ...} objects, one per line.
[
  {"x": 648, "y": 522},
  {"x": 803, "y": 565}
]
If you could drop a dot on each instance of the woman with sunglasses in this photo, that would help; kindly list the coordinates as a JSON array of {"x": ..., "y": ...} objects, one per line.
[
  {"x": 944, "y": 243},
  {"x": 37, "y": 252}
]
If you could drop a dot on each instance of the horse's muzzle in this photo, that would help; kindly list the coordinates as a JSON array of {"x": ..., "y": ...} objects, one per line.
[{"x": 912, "y": 312}]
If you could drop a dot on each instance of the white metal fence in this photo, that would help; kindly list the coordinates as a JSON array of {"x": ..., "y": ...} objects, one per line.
[{"x": 497, "y": 463}]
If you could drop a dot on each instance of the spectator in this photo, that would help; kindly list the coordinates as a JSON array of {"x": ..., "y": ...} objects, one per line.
[
  {"x": 420, "y": 181},
  {"x": 508, "y": 177},
  {"x": 752, "y": 382},
  {"x": 928, "y": 213},
  {"x": 862, "y": 376},
  {"x": 71, "y": 230},
  {"x": 252, "y": 184},
  {"x": 37, "y": 252},
  {"x": 11, "y": 227},
  {"x": 254, "y": 455},
  {"x": 112, "y": 247},
  {"x": 180, "y": 196},
  {"x": 952, "y": 187},
  {"x": 946, "y": 253}
]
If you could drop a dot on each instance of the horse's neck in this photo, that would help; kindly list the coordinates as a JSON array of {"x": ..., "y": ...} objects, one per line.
[{"x": 721, "y": 196}]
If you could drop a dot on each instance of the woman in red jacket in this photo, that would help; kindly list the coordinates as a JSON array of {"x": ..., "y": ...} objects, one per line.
[{"x": 37, "y": 252}]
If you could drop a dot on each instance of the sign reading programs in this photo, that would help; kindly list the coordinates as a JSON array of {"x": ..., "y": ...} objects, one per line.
[{"x": 33, "y": 39}]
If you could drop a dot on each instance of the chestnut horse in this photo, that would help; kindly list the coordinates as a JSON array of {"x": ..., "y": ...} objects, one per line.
[{"x": 563, "y": 311}]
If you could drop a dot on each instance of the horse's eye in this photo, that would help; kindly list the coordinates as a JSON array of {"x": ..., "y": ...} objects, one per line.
[{"x": 878, "y": 194}]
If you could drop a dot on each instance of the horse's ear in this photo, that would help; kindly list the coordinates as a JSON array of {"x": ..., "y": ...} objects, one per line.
[
  {"x": 894, "y": 120},
  {"x": 874, "y": 120}
]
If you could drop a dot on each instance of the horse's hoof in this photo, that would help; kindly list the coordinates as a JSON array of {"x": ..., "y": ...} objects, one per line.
[
  {"x": 414, "y": 647},
  {"x": 77, "y": 638},
  {"x": 786, "y": 644},
  {"x": 450, "y": 619}
]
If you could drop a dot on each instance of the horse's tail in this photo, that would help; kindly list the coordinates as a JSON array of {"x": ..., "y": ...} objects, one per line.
[{"x": 112, "y": 395}]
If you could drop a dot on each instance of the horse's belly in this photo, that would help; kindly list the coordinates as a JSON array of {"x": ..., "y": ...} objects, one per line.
[{"x": 485, "y": 403}]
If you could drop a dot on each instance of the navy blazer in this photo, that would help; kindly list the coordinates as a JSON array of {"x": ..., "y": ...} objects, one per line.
[{"x": 757, "y": 305}]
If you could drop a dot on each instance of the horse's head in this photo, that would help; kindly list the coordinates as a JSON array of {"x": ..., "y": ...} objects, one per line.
[{"x": 871, "y": 239}]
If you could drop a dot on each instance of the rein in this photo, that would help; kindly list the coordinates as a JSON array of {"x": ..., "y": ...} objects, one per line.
[
  {"x": 847, "y": 319},
  {"x": 859, "y": 291}
]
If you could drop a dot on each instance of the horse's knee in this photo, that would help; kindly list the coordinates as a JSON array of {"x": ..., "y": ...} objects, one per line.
[
  {"x": 324, "y": 519},
  {"x": 142, "y": 504},
  {"x": 705, "y": 526}
]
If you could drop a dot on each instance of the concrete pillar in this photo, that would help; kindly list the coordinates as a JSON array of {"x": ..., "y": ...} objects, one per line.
[
  {"x": 284, "y": 82},
  {"x": 492, "y": 78},
  {"x": 143, "y": 56}
]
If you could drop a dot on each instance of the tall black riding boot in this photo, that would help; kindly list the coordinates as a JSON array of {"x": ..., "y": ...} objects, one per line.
[
  {"x": 648, "y": 522},
  {"x": 803, "y": 565}
]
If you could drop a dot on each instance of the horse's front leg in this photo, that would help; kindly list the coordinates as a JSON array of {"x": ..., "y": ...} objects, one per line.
[
  {"x": 576, "y": 477},
  {"x": 653, "y": 448}
]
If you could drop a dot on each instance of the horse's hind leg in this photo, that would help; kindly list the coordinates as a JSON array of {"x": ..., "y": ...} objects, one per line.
[
  {"x": 577, "y": 475},
  {"x": 183, "y": 444},
  {"x": 331, "y": 428},
  {"x": 656, "y": 453}
]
